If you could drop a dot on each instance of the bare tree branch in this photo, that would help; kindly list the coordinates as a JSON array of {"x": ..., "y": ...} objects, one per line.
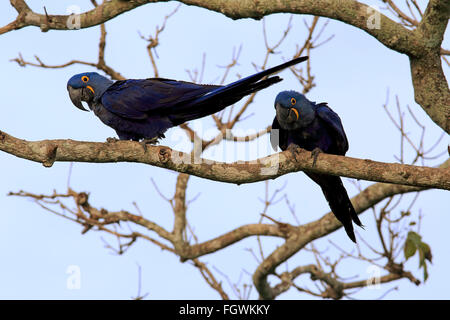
[{"x": 304, "y": 234}]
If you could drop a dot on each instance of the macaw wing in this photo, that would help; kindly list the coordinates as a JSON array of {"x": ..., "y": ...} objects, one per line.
[
  {"x": 138, "y": 99},
  {"x": 334, "y": 124}
]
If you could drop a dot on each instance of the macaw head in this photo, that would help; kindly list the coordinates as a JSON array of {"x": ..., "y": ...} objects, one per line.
[
  {"x": 293, "y": 110},
  {"x": 88, "y": 86}
]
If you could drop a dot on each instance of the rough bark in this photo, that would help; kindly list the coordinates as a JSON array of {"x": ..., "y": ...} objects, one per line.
[{"x": 270, "y": 167}]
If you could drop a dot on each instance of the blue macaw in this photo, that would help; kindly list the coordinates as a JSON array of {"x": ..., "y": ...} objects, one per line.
[
  {"x": 315, "y": 127},
  {"x": 145, "y": 109}
]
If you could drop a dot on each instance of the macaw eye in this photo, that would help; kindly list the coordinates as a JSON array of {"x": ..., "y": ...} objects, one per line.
[
  {"x": 293, "y": 101},
  {"x": 85, "y": 78}
]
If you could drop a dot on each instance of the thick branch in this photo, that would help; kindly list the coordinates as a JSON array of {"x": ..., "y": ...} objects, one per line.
[
  {"x": 392, "y": 34},
  {"x": 231, "y": 237},
  {"x": 179, "y": 209},
  {"x": 430, "y": 85},
  {"x": 270, "y": 167},
  {"x": 431, "y": 88},
  {"x": 96, "y": 16},
  {"x": 434, "y": 23}
]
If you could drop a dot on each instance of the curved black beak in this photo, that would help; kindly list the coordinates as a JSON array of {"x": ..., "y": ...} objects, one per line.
[
  {"x": 75, "y": 96},
  {"x": 286, "y": 115}
]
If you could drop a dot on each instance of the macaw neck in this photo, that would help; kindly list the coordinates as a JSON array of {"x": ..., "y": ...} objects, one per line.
[
  {"x": 101, "y": 87},
  {"x": 309, "y": 117}
]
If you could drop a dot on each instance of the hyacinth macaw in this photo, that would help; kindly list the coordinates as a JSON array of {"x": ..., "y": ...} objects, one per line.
[
  {"x": 142, "y": 110},
  {"x": 317, "y": 128}
]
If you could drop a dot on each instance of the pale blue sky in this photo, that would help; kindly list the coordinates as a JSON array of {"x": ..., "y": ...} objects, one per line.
[{"x": 353, "y": 72}]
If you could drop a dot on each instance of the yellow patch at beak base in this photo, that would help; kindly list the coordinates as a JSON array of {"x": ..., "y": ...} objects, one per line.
[
  {"x": 90, "y": 88},
  {"x": 296, "y": 112}
]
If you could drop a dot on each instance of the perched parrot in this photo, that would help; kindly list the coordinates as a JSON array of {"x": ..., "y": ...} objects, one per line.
[
  {"x": 144, "y": 109},
  {"x": 315, "y": 127}
]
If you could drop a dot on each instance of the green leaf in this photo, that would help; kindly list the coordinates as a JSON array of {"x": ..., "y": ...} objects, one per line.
[
  {"x": 410, "y": 249},
  {"x": 425, "y": 272},
  {"x": 425, "y": 248},
  {"x": 415, "y": 237},
  {"x": 421, "y": 258},
  {"x": 414, "y": 243}
]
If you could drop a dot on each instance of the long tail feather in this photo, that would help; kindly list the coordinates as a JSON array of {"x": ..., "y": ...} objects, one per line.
[
  {"x": 217, "y": 103},
  {"x": 222, "y": 97},
  {"x": 340, "y": 204}
]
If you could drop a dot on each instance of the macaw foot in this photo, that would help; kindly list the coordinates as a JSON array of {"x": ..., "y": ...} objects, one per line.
[
  {"x": 294, "y": 150},
  {"x": 145, "y": 142},
  {"x": 111, "y": 140},
  {"x": 315, "y": 154}
]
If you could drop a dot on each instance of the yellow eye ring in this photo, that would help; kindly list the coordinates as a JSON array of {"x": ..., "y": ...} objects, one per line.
[
  {"x": 85, "y": 78},
  {"x": 293, "y": 101}
]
